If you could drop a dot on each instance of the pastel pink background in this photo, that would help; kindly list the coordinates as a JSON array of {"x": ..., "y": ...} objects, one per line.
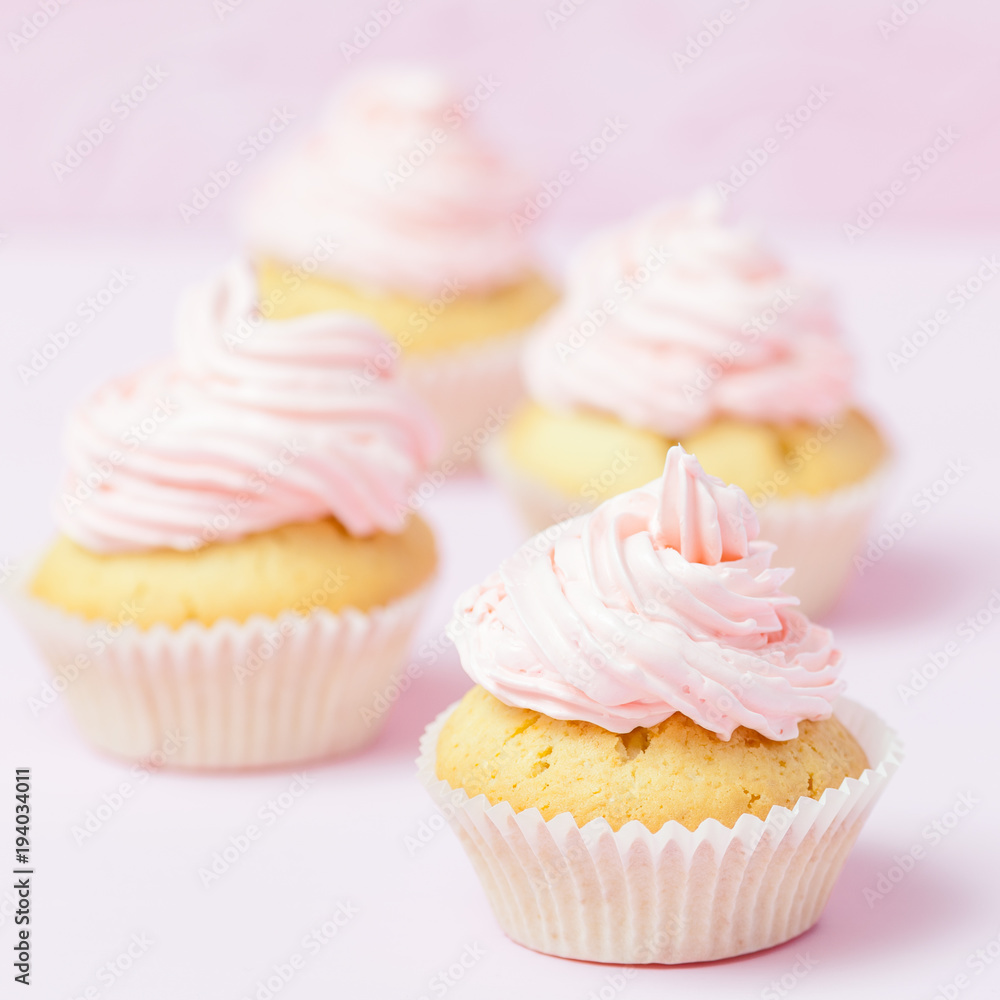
[
  {"x": 557, "y": 84},
  {"x": 347, "y": 840}
]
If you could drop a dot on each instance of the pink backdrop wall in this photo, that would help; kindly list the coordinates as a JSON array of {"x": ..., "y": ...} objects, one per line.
[{"x": 227, "y": 68}]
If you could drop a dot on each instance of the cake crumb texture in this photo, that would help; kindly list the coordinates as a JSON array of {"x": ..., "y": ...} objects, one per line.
[
  {"x": 672, "y": 771},
  {"x": 296, "y": 567}
]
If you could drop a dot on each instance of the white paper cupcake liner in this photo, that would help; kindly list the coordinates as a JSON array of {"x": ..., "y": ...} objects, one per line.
[
  {"x": 263, "y": 692},
  {"x": 635, "y": 897},
  {"x": 472, "y": 391},
  {"x": 817, "y": 535}
]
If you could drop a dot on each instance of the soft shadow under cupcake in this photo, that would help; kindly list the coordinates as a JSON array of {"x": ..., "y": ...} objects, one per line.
[{"x": 917, "y": 911}]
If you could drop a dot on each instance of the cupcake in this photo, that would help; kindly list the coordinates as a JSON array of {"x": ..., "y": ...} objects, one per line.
[
  {"x": 238, "y": 571},
  {"x": 679, "y": 329},
  {"x": 396, "y": 209},
  {"x": 656, "y": 763}
]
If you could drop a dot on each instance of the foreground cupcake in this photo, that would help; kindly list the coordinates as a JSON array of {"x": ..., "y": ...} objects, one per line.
[
  {"x": 396, "y": 208},
  {"x": 677, "y": 328},
  {"x": 238, "y": 572},
  {"x": 650, "y": 768}
]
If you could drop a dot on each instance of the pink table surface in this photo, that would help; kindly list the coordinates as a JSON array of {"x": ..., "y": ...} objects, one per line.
[{"x": 345, "y": 840}]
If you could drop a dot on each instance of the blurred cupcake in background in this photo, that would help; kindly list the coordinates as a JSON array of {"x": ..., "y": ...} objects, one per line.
[
  {"x": 656, "y": 763},
  {"x": 679, "y": 328},
  {"x": 238, "y": 569},
  {"x": 397, "y": 209}
]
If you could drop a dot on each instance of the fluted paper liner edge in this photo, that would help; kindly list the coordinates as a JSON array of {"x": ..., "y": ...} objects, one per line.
[
  {"x": 636, "y": 897},
  {"x": 262, "y": 692}
]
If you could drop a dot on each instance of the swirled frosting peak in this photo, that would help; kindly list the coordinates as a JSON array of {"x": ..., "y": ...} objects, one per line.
[
  {"x": 698, "y": 515},
  {"x": 256, "y": 423},
  {"x": 676, "y": 318},
  {"x": 659, "y": 601},
  {"x": 398, "y": 177}
]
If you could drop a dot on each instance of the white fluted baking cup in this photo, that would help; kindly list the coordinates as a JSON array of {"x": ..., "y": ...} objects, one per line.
[
  {"x": 636, "y": 897},
  {"x": 263, "y": 692},
  {"x": 816, "y": 535},
  {"x": 472, "y": 391},
  {"x": 819, "y": 535}
]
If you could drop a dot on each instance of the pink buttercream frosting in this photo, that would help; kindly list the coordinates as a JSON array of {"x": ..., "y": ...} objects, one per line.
[
  {"x": 676, "y": 319},
  {"x": 398, "y": 178},
  {"x": 256, "y": 423},
  {"x": 659, "y": 601}
]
